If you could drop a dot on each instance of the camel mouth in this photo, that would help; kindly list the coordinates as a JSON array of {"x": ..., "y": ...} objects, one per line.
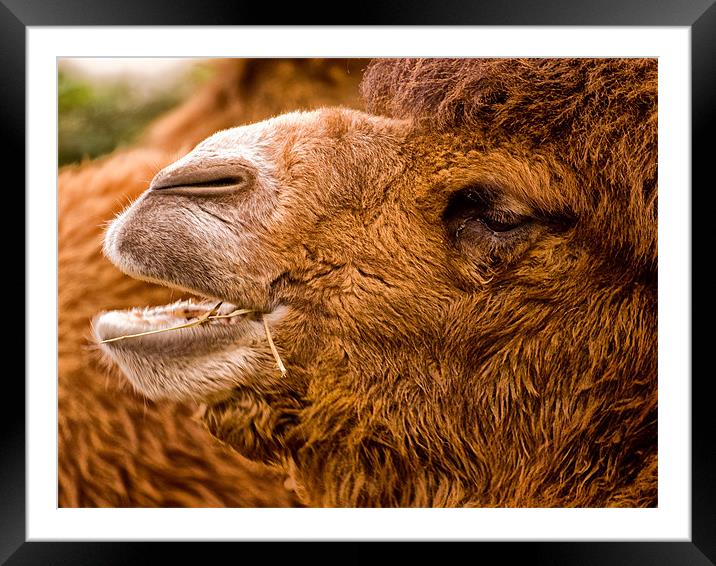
[
  {"x": 191, "y": 349},
  {"x": 177, "y": 325}
]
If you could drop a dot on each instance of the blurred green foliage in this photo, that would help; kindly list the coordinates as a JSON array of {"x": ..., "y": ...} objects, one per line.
[{"x": 95, "y": 117}]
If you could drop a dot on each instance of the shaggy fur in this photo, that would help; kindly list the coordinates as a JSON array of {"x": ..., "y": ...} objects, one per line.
[
  {"x": 596, "y": 117},
  {"x": 468, "y": 286},
  {"x": 116, "y": 449}
]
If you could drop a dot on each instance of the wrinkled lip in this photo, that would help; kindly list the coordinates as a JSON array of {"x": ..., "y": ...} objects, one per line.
[{"x": 156, "y": 327}]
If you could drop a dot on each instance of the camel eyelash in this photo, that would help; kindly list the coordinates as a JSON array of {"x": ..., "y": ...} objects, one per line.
[{"x": 501, "y": 222}]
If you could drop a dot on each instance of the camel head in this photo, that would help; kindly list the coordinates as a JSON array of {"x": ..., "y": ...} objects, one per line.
[{"x": 466, "y": 313}]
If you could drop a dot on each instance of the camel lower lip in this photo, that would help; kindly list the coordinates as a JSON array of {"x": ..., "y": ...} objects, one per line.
[{"x": 179, "y": 324}]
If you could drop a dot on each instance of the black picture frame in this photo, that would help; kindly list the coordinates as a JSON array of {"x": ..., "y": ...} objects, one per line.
[{"x": 700, "y": 16}]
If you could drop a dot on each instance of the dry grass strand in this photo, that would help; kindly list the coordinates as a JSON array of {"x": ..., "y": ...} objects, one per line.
[{"x": 209, "y": 315}]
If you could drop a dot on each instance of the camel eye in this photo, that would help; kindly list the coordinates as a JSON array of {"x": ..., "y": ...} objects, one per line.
[{"x": 472, "y": 216}]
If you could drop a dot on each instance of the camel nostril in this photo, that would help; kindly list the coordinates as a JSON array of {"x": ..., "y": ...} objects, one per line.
[
  {"x": 221, "y": 182},
  {"x": 210, "y": 181}
]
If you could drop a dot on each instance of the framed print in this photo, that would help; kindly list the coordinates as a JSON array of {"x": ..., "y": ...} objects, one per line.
[{"x": 449, "y": 216}]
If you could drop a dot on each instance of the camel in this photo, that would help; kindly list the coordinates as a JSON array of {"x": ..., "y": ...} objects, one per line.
[{"x": 449, "y": 299}]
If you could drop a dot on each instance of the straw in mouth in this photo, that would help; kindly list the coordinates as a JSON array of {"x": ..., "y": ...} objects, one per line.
[
  {"x": 206, "y": 317},
  {"x": 201, "y": 319}
]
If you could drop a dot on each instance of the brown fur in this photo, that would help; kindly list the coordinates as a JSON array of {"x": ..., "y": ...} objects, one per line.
[
  {"x": 596, "y": 117},
  {"x": 116, "y": 449},
  {"x": 571, "y": 373},
  {"x": 433, "y": 360}
]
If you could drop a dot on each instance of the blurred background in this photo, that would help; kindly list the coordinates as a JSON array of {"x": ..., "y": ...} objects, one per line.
[
  {"x": 104, "y": 104},
  {"x": 119, "y": 122}
]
